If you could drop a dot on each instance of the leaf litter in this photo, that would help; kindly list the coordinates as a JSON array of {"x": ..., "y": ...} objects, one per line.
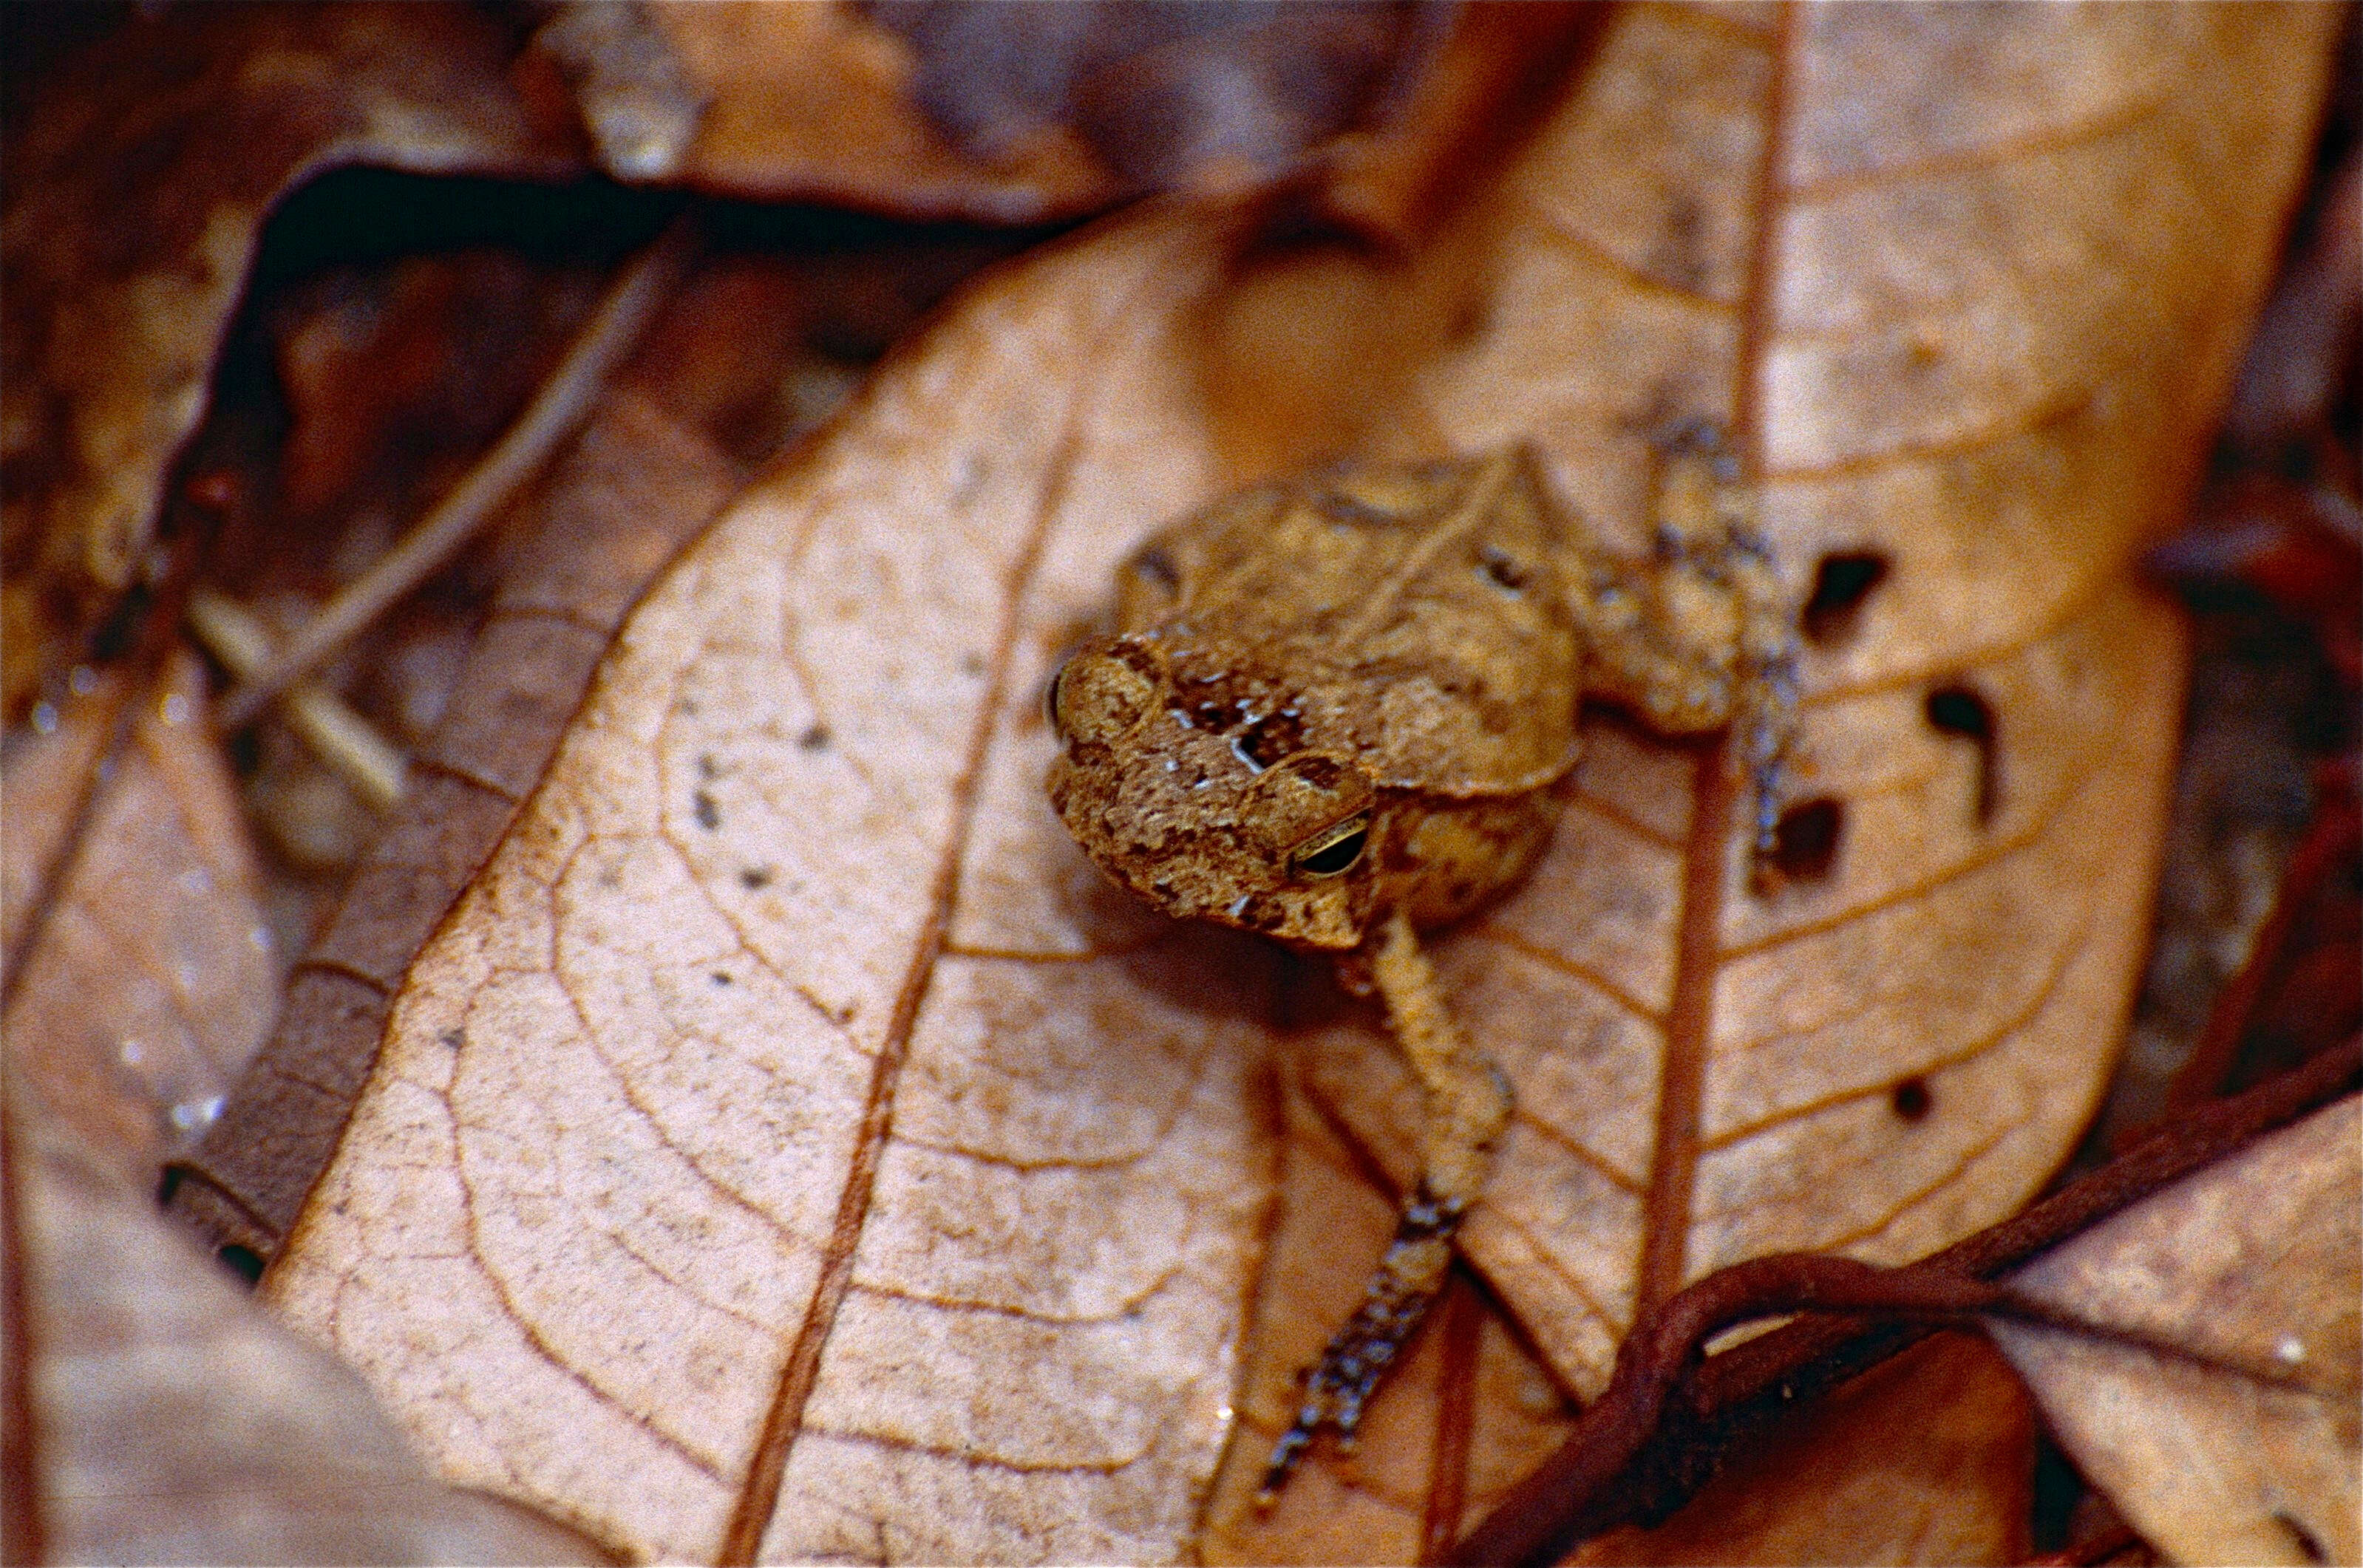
[
  {"x": 883, "y": 1011},
  {"x": 1113, "y": 928}
]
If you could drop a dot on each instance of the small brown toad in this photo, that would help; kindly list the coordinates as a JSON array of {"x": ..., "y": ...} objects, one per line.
[{"x": 1335, "y": 711}]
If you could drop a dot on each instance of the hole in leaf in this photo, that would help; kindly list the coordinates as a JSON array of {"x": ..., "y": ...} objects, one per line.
[
  {"x": 1959, "y": 710},
  {"x": 1841, "y": 585},
  {"x": 1805, "y": 840},
  {"x": 2302, "y": 1536},
  {"x": 1912, "y": 1100},
  {"x": 243, "y": 1262}
]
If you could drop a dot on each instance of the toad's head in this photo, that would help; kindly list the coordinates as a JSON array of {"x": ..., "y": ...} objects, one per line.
[{"x": 1211, "y": 809}]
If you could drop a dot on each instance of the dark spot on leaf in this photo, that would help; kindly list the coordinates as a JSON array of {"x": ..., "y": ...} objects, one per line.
[
  {"x": 1805, "y": 840},
  {"x": 1841, "y": 585},
  {"x": 1959, "y": 710},
  {"x": 814, "y": 739},
  {"x": 720, "y": 979},
  {"x": 246, "y": 1264},
  {"x": 971, "y": 664},
  {"x": 451, "y": 1039},
  {"x": 706, "y": 767},
  {"x": 755, "y": 877},
  {"x": 1912, "y": 1100},
  {"x": 708, "y": 814}
]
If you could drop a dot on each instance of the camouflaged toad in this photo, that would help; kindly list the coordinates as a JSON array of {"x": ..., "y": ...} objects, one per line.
[{"x": 1334, "y": 711}]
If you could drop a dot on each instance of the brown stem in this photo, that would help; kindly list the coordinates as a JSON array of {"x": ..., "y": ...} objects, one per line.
[{"x": 1665, "y": 1420}]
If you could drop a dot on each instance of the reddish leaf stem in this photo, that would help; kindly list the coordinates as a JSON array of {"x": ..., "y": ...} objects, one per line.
[{"x": 1665, "y": 1420}]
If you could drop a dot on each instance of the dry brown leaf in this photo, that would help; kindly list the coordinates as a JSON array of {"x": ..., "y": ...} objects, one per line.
[
  {"x": 1929, "y": 1458},
  {"x": 1896, "y": 1053},
  {"x": 776, "y": 1033},
  {"x": 148, "y": 976},
  {"x": 173, "y": 1420},
  {"x": 140, "y": 182},
  {"x": 790, "y": 1147},
  {"x": 2254, "y": 1264}
]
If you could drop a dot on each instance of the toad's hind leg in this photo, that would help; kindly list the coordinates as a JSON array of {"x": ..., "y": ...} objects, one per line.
[
  {"x": 1701, "y": 636},
  {"x": 1468, "y": 1107}
]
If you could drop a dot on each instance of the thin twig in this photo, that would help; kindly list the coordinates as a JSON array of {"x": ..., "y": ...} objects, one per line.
[
  {"x": 339, "y": 737},
  {"x": 561, "y": 405}
]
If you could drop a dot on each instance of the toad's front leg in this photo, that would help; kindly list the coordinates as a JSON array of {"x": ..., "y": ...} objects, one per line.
[{"x": 1467, "y": 1106}]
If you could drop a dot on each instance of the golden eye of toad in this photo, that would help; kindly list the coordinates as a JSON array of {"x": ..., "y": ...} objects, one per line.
[{"x": 1334, "y": 850}]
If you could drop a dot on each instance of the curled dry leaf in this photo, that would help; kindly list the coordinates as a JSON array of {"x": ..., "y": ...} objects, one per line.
[
  {"x": 789, "y": 1147},
  {"x": 139, "y": 186},
  {"x": 2247, "y": 1446},
  {"x": 173, "y": 1421},
  {"x": 147, "y": 977}
]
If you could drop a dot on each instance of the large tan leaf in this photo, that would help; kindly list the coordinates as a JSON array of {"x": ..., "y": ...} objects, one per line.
[
  {"x": 758, "y": 1102},
  {"x": 790, "y": 1146},
  {"x": 1882, "y": 1058},
  {"x": 2249, "y": 1452}
]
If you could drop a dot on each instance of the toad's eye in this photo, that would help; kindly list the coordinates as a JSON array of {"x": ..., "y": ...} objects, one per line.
[{"x": 1332, "y": 850}]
